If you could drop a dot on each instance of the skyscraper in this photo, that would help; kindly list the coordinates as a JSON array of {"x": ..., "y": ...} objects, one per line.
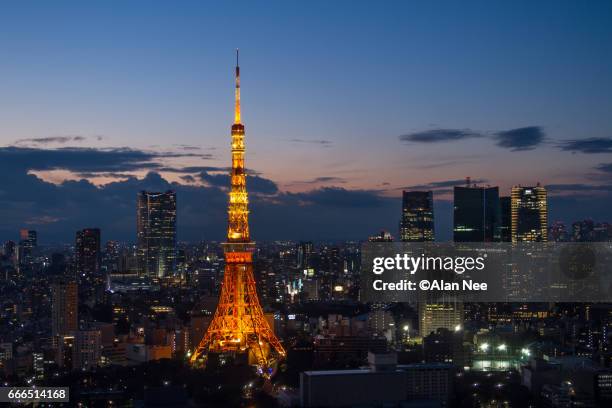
[
  {"x": 304, "y": 254},
  {"x": 505, "y": 204},
  {"x": 529, "y": 214},
  {"x": 239, "y": 324},
  {"x": 64, "y": 298},
  {"x": 476, "y": 214},
  {"x": 87, "y": 255},
  {"x": 28, "y": 241},
  {"x": 156, "y": 233},
  {"x": 417, "y": 223}
]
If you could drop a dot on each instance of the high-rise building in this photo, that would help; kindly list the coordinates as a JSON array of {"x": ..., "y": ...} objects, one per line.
[
  {"x": 28, "y": 241},
  {"x": 29, "y": 238},
  {"x": 239, "y": 324},
  {"x": 9, "y": 249},
  {"x": 156, "y": 233},
  {"x": 64, "y": 298},
  {"x": 110, "y": 257},
  {"x": 529, "y": 214},
  {"x": 417, "y": 223},
  {"x": 88, "y": 348},
  {"x": 304, "y": 254},
  {"x": 476, "y": 214},
  {"x": 87, "y": 255},
  {"x": 505, "y": 204},
  {"x": 557, "y": 232}
]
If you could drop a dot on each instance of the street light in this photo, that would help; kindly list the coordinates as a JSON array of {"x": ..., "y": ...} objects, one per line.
[
  {"x": 501, "y": 347},
  {"x": 484, "y": 346}
]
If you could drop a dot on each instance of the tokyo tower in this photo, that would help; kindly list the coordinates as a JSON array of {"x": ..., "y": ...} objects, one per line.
[{"x": 239, "y": 325}]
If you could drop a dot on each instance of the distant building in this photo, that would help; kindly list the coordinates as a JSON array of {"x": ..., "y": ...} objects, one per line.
[
  {"x": 87, "y": 255},
  {"x": 9, "y": 249},
  {"x": 383, "y": 236},
  {"x": 353, "y": 349},
  {"x": 110, "y": 257},
  {"x": 476, "y": 214},
  {"x": 28, "y": 241},
  {"x": 417, "y": 222},
  {"x": 590, "y": 231},
  {"x": 529, "y": 214},
  {"x": 446, "y": 346},
  {"x": 304, "y": 254},
  {"x": 433, "y": 316},
  {"x": 88, "y": 350},
  {"x": 64, "y": 298},
  {"x": 505, "y": 204},
  {"x": 384, "y": 383},
  {"x": 557, "y": 232},
  {"x": 156, "y": 233}
]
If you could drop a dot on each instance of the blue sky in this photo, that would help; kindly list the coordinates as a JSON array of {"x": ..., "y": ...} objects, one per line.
[{"x": 338, "y": 97}]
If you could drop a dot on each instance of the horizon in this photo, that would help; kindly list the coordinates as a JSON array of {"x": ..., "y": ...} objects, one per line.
[{"x": 337, "y": 123}]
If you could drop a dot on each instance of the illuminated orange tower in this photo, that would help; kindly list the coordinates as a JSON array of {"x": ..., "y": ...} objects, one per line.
[{"x": 239, "y": 325}]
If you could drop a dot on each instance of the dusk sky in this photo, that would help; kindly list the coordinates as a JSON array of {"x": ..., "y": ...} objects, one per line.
[{"x": 345, "y": 104}]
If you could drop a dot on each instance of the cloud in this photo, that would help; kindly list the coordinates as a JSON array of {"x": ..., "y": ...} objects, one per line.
[
  {"x": 605, "y": 167},
  {"x": 321, "y": 142},
  {"x": 322, "y": 180},
  {"x": 578, "y": 187},
  {"x": 51, "y": 139},
  {"x": 56, "y": 211},
  {"x": 590, "y": 145},
  {"x": 436, "y": 185},
  {"x": 255, "y": 184},
  {"x": 87, "y": 160},
  {"x": 187, "y": 147},
  {"x": 439, "y": 135},
  {"x": 340, "y": 197},
  {"x": 520, "y": 139}
]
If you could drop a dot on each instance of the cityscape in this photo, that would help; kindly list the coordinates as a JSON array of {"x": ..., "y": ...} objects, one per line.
[{"x": 148, "y": 310}]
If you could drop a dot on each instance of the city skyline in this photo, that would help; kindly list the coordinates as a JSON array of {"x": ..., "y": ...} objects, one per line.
[{"x": 419, "y": 112}]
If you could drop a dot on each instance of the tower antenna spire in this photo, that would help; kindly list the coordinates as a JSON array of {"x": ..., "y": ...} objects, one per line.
[{"x": 237, "y": 103}]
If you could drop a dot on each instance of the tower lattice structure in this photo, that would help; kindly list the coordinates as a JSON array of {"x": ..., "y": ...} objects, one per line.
[{"x": 239, "y": 324}]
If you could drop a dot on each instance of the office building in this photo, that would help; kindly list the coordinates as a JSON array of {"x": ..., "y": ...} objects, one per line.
[
  {"x": 64, "y": 310},
  {"x": 445, "y": 315},
  {"x": 505, "y": 204},
  {"x": 304, "y": 255},
  {"x": 529, "y": 214},
  {"x": 28, "y": 241},
  {"x": 88, "y": 348},
  {"x": 384, "y": 383},
  {"x": 156, "y": 233},
  {"x": 417, "y": 222},
  {"x": 87, "y": 255},
  {"x": 476, "y": 214}
]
